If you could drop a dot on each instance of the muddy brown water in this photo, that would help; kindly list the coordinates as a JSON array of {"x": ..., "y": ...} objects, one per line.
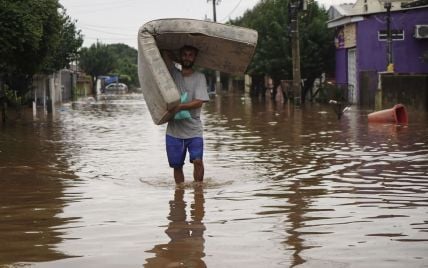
[{"x": 284, "y": 187}]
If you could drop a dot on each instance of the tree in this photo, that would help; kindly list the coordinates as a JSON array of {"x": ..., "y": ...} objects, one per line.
[
  {"x": 273, "y": 53},
  {"x": 318, "y": 51},
  {"x": 126, "y": 63},
  {"x": 70, "y": 40},
  {"x": 97, "y": 60},
  {"x": 31, "y": 38},
  {"x": 112, "y": 59}
]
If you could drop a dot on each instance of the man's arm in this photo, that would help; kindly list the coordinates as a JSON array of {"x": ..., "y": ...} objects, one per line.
[{"x": 194, "y": 104}]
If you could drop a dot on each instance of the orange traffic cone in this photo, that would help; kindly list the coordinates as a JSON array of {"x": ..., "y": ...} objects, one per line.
[{"x": 395, "y": 115}]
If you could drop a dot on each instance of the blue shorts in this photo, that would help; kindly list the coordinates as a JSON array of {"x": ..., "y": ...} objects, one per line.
[{"x": 176, "y": 150}]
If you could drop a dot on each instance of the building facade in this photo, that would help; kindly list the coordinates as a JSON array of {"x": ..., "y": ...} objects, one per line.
[{"x": 361, "y": 43}]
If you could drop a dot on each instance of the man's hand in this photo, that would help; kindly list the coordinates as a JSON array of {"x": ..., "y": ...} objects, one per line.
[
  {"x": 194, "y": 104},
  {"x": 176, "y": 109}
]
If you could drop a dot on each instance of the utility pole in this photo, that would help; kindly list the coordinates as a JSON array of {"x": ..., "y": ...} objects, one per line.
[
  {"x": 295, "y": 50},
  {"x": 217, "y": 73},
  {"x": 387, "y": 4},
  {"x": 390, "y": 64},
  {"x": 214, "y": 11}
]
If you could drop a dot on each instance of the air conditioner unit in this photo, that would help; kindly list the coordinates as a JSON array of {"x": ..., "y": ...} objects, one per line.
[{"x": 421, "y": 31}]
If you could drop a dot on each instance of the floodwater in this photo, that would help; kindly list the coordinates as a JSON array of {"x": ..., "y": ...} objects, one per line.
[{"x": 284, "y": 187}]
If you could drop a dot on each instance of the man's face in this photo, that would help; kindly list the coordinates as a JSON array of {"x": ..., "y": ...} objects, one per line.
[{"x": 188, "y": 58}]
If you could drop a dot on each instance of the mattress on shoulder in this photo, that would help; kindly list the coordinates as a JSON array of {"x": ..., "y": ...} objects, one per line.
[{"x": 225, "y": 48}]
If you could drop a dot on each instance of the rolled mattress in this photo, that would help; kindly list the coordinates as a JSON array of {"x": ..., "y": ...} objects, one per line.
[{"x": 225, "y": 48}]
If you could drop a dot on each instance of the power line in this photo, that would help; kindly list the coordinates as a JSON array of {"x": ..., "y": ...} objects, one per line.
[
  {"x": 103, "y": 9},
  {"x": 103, "y": 26},
  {"x": 100, "y": 4},
  {"x": 111, "y": 39},
  {"x": 107, "y": 32},
  {"x": 233, "y": 10}
]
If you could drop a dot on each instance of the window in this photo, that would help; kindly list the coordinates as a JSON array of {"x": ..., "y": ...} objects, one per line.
[{"x": 395, "y": 35}]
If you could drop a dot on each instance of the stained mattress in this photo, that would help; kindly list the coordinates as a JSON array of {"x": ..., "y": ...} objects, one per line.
[{"x": 225, "y": 48}]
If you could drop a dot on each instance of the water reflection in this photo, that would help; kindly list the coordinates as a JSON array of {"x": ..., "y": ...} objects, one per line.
[
  {"x": 186, "y": 245},
  {"x": 33, "y": 179},
  {"x": 286, "y": 187},
  {"x": 337, "y": 182}
]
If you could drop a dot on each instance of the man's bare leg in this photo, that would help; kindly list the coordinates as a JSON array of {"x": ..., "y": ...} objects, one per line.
[
  {"x": 198, "y": 170},
  {"x": 178, "y": 175}
]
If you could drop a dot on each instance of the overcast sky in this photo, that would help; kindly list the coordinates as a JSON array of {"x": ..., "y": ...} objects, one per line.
[{"x": 118, "y": 21}]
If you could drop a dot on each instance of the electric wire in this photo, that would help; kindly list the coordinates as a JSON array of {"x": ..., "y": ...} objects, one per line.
[
  {"x": 100, "y": 4},
  {"x": 107, "y": 32},
  {"x": 233, "y": 10}
]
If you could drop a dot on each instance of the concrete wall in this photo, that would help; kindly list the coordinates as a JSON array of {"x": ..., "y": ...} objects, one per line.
[
  {"x": 83, "y": 86},
  {"x": 410, "y": 90},
  {"x": 68, "y": 82},
  {"x": 56, "y": 87},
  {"x": 368, "y": 83},
  {"x": 40, "y": 89}
]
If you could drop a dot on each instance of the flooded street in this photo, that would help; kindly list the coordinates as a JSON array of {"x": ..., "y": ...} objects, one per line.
[{"x": 284, "y": 187}]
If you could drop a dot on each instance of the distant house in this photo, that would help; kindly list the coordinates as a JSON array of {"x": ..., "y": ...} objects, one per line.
[
  {"x": 361, "y": 47},
  {"x": 54, "y": 88},
  {"x": 62, "y": 86}
]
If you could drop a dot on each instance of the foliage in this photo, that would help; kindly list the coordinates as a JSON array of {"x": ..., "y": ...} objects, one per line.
[
  {"x": 113, "y": 59},
  {"x": 70, "y": 40},
  {"x": 126, "y": 63},
  {"x": 10, "y": 96},
  {"x": 25, "y": 34},
  {"x": 318, "y": 51},
  {"x": 33, "y": 34},
  {"x": 126, "y": 79},
  {"x": 97, "y": 60},
  {"x": 273, "y": 53}
]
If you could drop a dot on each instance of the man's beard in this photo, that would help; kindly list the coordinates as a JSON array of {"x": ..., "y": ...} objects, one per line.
[{"x": 187, "y": 64}]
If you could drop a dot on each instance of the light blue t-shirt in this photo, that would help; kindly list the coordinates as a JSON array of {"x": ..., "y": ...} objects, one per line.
[{"x": 195, "y": 85}]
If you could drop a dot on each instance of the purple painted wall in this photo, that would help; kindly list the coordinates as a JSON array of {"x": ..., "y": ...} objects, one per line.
[
  {"x": 407, "y": 54},
  {"x": 371, "y": 53},
  {"x": 341, "y": 65}
]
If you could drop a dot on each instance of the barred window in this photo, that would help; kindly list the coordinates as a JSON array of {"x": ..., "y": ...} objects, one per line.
[{"x": 395, "y": 35}]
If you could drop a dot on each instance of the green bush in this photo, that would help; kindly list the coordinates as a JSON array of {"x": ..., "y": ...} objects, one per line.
[{"x": 10, "y": 97}]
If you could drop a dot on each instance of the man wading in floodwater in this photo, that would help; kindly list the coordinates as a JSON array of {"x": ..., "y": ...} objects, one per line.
[{"x": 184, "y": 131}]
